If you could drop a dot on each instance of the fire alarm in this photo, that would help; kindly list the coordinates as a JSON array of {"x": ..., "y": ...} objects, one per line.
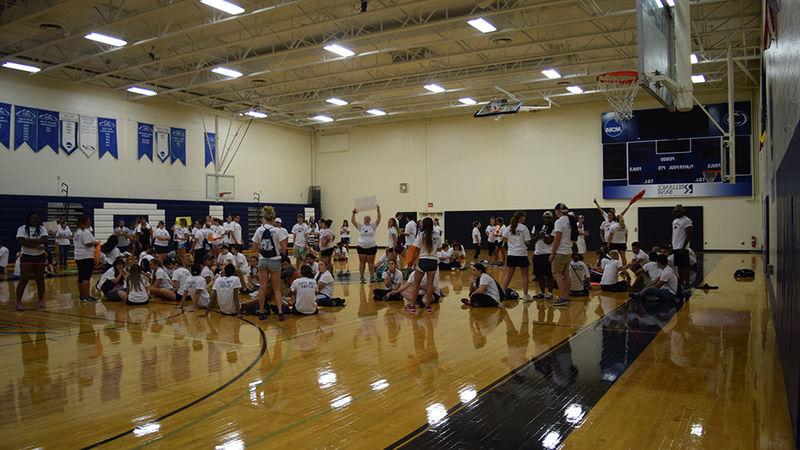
[{"x": 404, "y": 188}]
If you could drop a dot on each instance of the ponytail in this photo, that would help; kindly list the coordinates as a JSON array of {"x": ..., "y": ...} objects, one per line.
[
  {"x": 515, "y": 221},
  {"x": 427, "y": 237}
]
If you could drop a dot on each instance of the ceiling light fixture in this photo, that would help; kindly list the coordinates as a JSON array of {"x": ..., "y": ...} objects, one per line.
[
  {"x": 693, "y": 58},
  {"x": 22, "y": 67},
  {"x": 482, "y": 25},
  {"x": 336, "y": 101},
  {"x": 339, "y": 50},
  {"x": 376, "y": 112},
  {"x": 222, "y": 5},
  {"x": 321, "y": 118},
  {"x": 670, "y": 2},
  {"x": 575, "y": 89},
  {"x": 230, "y": 73},
  {"x": 256, "y": 114},
  {"x": 468, "y": 101},
  {"x": 551, "y": 74},
  {"x": 141, "y": 91},
  {"x": 698, "y": 78},
  {"x": 435, "y": 88},
  {"x": 102, "y": 38}
]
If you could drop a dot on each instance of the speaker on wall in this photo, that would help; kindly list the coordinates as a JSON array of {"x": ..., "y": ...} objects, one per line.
[{"x": 315, "y": 199}]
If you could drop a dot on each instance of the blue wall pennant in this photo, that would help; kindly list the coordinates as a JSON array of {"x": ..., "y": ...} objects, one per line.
[
  {"x": 25, "y": 121},
  {"x": 144, "y": 140},
  {"x": 210, "y": 142},
  {"x": 177, "y": 145},
  {"x": 47, "y": 134},
  {"x": 5, "y": 125},
  {"x": 107, "y": 130}
]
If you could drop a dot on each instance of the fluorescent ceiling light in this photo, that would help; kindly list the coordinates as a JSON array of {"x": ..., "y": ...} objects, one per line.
[
  {"x": 339, "y": 50},
  {"x": 671, "y": 2},
  {"x": 321, "y": 118},
  {"x": 376, "y": 112},
  {"x": 256, "y": 114},
  {"x": 97, "y": 37},
  {"x": 659, "y": 3},
  {"x": 222, "y": 5},
  {"x": 435, "y": 88},
  {"x": 482, "y": 25},
  {"x": 22, "y": 67},
  {"x": 693, "y": 58},
  {"x": 551, "y": 73},
  {"x": 575, "y": 89},
  {"x": 336, "y": 101},
  {"x": 468, "y": 101},
  {"x": 698, "y": 78},
  {"x": 227, "y": 72},
  {"x": 142, "y": 91}
]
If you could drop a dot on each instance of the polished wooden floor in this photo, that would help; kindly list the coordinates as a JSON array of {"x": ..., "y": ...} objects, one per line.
[{"x": 368, "y": 374}]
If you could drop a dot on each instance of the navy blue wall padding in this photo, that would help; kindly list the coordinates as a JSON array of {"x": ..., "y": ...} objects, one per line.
[
  {"x": 458, "y": 224},
  {"x": 14, "y": 209}
]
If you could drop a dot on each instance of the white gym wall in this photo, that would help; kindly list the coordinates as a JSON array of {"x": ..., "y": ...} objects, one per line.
[{"x": 273, "y": 160}]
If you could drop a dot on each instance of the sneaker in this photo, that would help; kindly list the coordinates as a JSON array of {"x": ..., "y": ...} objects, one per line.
[
  {"x": 262, "y": 315},
  {"x": 363, "y": 280},
  {"x": 91, "y": 299},
  {"x": 373, "y": 279},
  {"x": 84, "y": 299},
  {"x": 281, "y": 317},
  {"x": 539, "y": 295},
  {"x": 338, "y": 302},
  {"x": 561, "y": 302},
  {"x": 429, "y": 308},
  {"x": 466, "y": 301},
  {"x": 527, "y": 298},
  {"x": 410, "y": 308},
  {"x": 548, "y": 296}
]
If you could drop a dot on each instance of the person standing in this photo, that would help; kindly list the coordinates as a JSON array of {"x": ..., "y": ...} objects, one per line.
[
  {"x": 491, "y": 241},
  {"x": 517, "y": 238},
  {"x": 300, "y": 232},
  {"x": 327, "y": 241},
  {"x": 476, "y": 239},
  {"x": 123, "y": 235},
  {"x": 181, "y": 234},
  {"x": 367, "y": 246},
  {"x": 4, "y": 254},
  {"x": 32, "y": 238},
  {"x": 681, "y": 244},
  {"x": 582, "y": 233},
  {"x": 270, "y": 243},
  {"x": 542, "y": 247},
  {"x": 84, "y": 257},
  {"x": 63, "y": 236},
  {"x": 236, "y": 227},
  {"x": 344, "y": 233},
  {"x": 565, "y": 230},
  {"x": 161, "y": 242},
  {"x": 409, "y": 233},
  {"x": 198, "y": 246},
  {"x": 427, "y": 241},
  {"x": 393, "y": 236}
]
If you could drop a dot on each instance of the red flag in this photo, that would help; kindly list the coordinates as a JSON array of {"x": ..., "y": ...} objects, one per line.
[{"x": 637, "y": 197}]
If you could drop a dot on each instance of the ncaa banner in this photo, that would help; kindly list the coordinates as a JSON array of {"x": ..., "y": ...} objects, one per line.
[
  {"x": 25, "y": 121},
  {"x": 144, "y": 140},
  {"x": 177, "y": 145},
  {"x": 211, "y": 148},
  {"x": 107, "y": 129},
  {"x": 5, "y": 125},
  {"x": 69, "y": 132},
  {"x": 47, "y": 135},
  {"x": 88, "y": 135},
  {"x": 162, "y": 143}
]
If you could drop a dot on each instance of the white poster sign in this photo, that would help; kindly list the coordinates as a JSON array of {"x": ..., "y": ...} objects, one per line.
[
  {"x": 87, "y": 137},
  {"x": 366, "y": 203}
]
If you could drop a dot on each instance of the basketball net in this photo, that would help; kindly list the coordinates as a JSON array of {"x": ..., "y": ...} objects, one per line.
[
  {"x": 710, "y": 175},
  {"x": 620, "y": 89}
]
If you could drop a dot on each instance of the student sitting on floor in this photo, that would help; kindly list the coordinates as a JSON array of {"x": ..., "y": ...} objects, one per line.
[
  {"x": 666, "y": 287},
  {"x": 325, "y": 283},
  {"x": 646, "y": 276},
  {"x": 610, "y": 281},
  {"x": 196, "y": 288},
  {"x": 639, "y": 258},
  {"x": 458, "y": 261},
  {"x": 138, "y": 286},
  {"x": 392, "y": 279},
  {"x": 112, "y": 282},
  {"x": 483, "y": 290},
  {"x": 340, "y": 253},
  {"x": 311, "y": 261},
  {"x": 580, "y": 279},
  {"x": 251, "y": 276},
  {"x": 180, "y": 276},
  {"x": 443, "y": 255},
  {"x": 382, "y": 264},
  {"x": 207, "y": 271},
  {"x": 225, "y": 292},
  {"x": 303, "y": 295},
  {"x": 225, "y": 257},
  {"x": 406, "y": 291},
  {"x": 596, "y": 272},
  {"x": 162, "y": 286},
  {"x": 109, "y": 252}
]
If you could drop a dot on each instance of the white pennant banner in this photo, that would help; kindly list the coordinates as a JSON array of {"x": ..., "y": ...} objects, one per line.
[
  {"x": 162, "y": 143},
  {"x": 88, "y": 135},
  {"x": 69, "y": 132}
]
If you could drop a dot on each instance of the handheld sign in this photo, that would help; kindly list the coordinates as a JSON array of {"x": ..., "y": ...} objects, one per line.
[
  {"x": 366, "y": 203},
  {"x": 637, "y": 197}
]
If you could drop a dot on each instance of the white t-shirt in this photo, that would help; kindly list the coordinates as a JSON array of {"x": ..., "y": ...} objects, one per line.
[
  {"x": 679, "y": 227},
  {"x": 236, "y": 232},
  {"x": 300, "y": 232},
  {"x": 228, "y": 227},
  {"x": 138, "y": 294},
  {"x": 424, "y": 252},
  {"x": 392, "y": 242},
  {"x": 366, "y": 236},
  {"x": 305, "y": 299},
  {"x": 81, "y": 238},
  {"x": 327, "y": 279},
  {"x": 444, "y": 255},
  {"x": 63, "y": 235},
  {"x": 490, "y": 236},
  {"x": 344, "y": 232},
  {"x": 424, "y": 281},
  {"x": 562, "y": 224},
  {"x": 161, "y": 233},
  {"x": 108, "y": 275},
  {"x": 181, "y": 275},
  {"x": 163, "y": 279},
  {"x": 217, "y": 235},
  {"x": 652, "y": 270},
  {"x": 670, "y": 280},
  {"x": 35, "y": 233},
  {"x": 326, "y": 233},
  {"x": 438, "y": 229},
  {"x": 198, "y": 236},
  {"x": 3, "y": 257},
  {"x": 110, "y": 257},
  {"x": 578, "y": 271},
  {"x": 226, "y": 288},
  {"x": 603, "y": 262},
  {"x": 517, "y": 243},
  {"x": 241, "y": 262},
  {"x": 199, "y": 283},
  {"x": 640, "y": 258},
  {"x": 491, "y": 287},
  {"x": 540, "y": 247},
  {"x": 207, "y": 273},
  {"x": 181, "y": 234},
  {"x": 145, "y": 255},
  {"x": 278, "y": 235},
  {"x": 616, "y": 234},
  {"x": 604, "y": 226},
  {"x": 122, "y": 236},
  {"x": 397, "y": 279},
  {"x": 610, "y": 272},
  {"x": 410, "y": 233},
  {"x": 226, "y": 258},
  {"x": 476, "y": 235},
  {"x": 499, "y": 232}
]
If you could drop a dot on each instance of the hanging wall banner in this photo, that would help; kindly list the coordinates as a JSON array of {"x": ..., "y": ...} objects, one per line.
[
  {"x": 177, "y": 145},
  {"x": 25, "y": 120},
  {"x": 107, "y": 131},
  {"x": 69, "y": 132},
  {"x": 5, "y": 125},
  {"x": 162, "y": 143},
  {"x": 47, "y": 135},
  {"x": 144, "y": 140},
  {"x": 211, "y": 148},
  {"x": 87, "y": 139}
]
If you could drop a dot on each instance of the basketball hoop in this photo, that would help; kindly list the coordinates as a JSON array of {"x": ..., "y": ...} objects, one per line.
[
  {"x": 224, "y": 196},
  {"x": 710, "y": 175},
  {"x": 620, "y": 89}
]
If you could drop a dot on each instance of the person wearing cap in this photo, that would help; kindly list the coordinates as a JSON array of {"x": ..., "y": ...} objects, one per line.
[
  {"x": 278, "y": 222},
  {"x": 542, "y": 247},
  {"x": 560, "y": 256},
  {"x": 681, "y": 243}
]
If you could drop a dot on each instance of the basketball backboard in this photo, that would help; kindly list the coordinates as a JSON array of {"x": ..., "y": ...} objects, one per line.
[
  {"x": 499, "y": 106},
  {"x": 216, "y": 184},
  {"x": 664, "y": 48}
]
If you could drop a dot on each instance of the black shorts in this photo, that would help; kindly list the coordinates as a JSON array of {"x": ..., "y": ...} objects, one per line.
[
  {"x": 345, "y": 240},
  {"x": 368, "y": 251},
  {"x": 491, "y": 246},
  {"x": 500, "y": 245},
  {"x": 542, "y": 267},
  {"x": 85, "y": 268},
  {"x": 123, "y": 249},
  {"x": 38, "y": 260},
  {"x": 517, "y": 261},
  {"x": 161, "y": 249},
  {"x": 427, "y": 265},
  {"x": 618, "y": 247},
  {"x": 682, "y": 258},
  {"x": 327, "y": 253}
]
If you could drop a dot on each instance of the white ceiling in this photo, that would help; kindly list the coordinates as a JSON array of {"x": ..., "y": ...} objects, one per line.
[{"x": 401, "y": 45}]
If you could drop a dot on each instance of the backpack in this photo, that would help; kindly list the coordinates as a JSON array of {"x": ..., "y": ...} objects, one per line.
[
  {"x": 744, "y": 273},
  {"x": 510, "y": 294},
  {"x": 267, "y": 247},
  {"x": 500, "y": 290}
]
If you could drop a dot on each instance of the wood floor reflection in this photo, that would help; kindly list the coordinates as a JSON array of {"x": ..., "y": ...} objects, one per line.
[{"x": 367, "y": 374}]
